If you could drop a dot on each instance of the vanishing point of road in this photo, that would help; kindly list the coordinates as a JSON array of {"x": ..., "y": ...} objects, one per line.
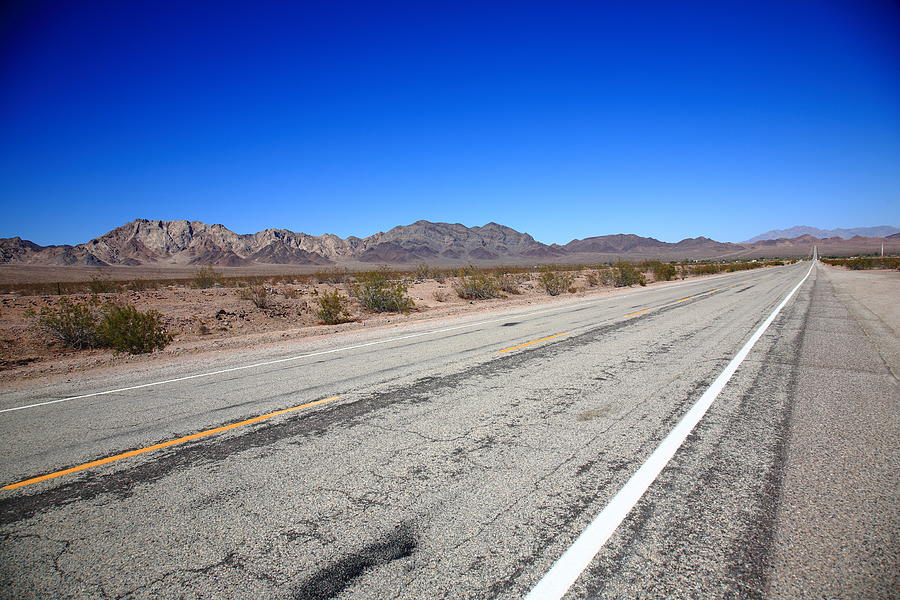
[{"x": 730, "y": 437}]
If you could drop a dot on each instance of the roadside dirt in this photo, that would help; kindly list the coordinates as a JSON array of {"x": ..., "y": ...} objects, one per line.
[{"x": 219, "y": 319}]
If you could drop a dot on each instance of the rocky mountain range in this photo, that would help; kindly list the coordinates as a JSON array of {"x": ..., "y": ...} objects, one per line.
[
  {"x": 161, "y": 243},
  {"x": 795, "y": 232}
]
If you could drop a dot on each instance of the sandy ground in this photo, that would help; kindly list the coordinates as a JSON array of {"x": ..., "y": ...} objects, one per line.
[{"x": 219, "y": 319}]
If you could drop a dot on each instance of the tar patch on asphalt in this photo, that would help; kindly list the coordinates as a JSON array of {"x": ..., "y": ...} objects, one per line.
[
  {"x": 510, "y": 324},
  {"x": 332, "y": 579}
]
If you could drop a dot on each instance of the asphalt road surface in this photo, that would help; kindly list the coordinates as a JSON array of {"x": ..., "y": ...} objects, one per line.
[{"x": 462, "y": 458}]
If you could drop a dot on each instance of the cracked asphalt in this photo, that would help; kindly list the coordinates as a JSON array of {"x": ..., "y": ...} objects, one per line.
[{"x": 448, "y": 469}]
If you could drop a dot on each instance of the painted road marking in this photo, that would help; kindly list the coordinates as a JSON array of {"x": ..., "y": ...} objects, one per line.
[
  {"x": 579, "y": 555},
  {"x": 638, "y": 312},
  {"x": 321, "y": 352},
  {"x": 181, "y": 440},
  {"x": 549, "y": 337}
]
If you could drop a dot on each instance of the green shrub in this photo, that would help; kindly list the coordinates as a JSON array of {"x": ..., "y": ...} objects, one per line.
[
  {"x": 206, "y": 277},
  {"x": 126, "y": 329},
  {"x": 90, "y": 324},
  {"x": 379, "y": 293},
  {"x": 625, "y": 274},
  {"x": 555, "y": 282},
  {"x": 664, "y": 271},
  {"x": 73, "y": 324},
  {"x": 332, "y": 308},
  {"x": 474, "y": 284}
]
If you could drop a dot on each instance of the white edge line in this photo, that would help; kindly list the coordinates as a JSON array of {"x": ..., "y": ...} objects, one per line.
[
  {"x": 301, "y": 356},
  {"x": 557, "y": 581}
]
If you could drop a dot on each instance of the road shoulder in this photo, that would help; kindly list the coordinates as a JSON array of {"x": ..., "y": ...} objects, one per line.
[{"x": 837, "y": 521}]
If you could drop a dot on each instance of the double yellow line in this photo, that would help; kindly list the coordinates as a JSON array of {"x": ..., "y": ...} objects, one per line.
[{"x": 181, "y": 440}]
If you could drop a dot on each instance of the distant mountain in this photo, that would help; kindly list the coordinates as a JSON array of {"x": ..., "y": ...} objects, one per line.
[
  {"x": 794, "y": 232},
  {"x": 143, "y": 242},
  {"x": 161, "y": 243}
]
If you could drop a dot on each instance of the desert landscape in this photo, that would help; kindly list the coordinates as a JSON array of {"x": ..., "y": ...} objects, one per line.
[
  {"x": 211, "y": 289},
  {"x": 209, "y": 312}
]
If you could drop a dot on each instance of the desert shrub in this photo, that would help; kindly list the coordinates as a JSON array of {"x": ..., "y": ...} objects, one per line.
[
  {"x": 707, "y": 269},
  {"x": 626, "y": 274},
  {"x": 474, "y": 284},
  {"x": 379, "y": 293},
  {"x": 73, "y": 324},
  {"x": 422, "y": 272},
  {"x": 555, "y": 282},
  {"x": 510, "y": 282},
  {"x": 206, "y": 277},
  {"x": 592, "y": 279},
  {"x": 664, "y": 271},
  {"x": 127, "y": 329},
  {"x": 860, "y": 263},
  {"x": 332, "y": 308},
  {"x": 440, "y": 296},
  {"x": 258, "y": 294},
  {"x": 289, "y": 292}
]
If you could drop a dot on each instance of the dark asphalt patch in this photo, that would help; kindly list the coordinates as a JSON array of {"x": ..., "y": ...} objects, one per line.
[
  {"x": 511, "y": 324},
  {"x": 334, "y": 578}
]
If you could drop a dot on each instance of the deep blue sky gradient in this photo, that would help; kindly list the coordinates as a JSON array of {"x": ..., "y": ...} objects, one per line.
[{"x": 562, "y": 119}]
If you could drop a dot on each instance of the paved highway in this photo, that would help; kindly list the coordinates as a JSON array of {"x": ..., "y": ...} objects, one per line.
[{"x": 463, "y": 458}]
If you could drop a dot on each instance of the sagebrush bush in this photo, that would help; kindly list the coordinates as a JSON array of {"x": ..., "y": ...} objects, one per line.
[
  {"x": 206, "y": 277},
  {"x": 127, "y": 329},
  {"x": 332, "y": 308},
  {"x": 592, "y": 279},
  {"x": 379, "y": 293},
  {"x": 474, "y": 284},
  {"x": 73, "y": 324},
  {"x": 664, "y": 271},
  {"x": 440, "y": 295},
  {"x": 555, "y": 282}
]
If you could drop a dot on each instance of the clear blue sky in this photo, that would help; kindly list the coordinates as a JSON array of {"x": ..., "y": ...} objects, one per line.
[{"x": 562, "y": 119}]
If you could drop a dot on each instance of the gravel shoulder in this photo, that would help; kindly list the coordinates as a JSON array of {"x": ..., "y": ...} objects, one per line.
[{"x": 837, "y": 522}]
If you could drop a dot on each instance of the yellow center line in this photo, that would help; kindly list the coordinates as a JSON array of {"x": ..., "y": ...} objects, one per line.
[
  {"x": 549, "y": 337},
  {"x": 187, "y": 438},
  {"x": 638, "y": 312},
  {"x": 683, "y": 299}
]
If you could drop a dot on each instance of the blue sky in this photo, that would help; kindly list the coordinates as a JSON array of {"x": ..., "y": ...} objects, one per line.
[{"x": 562, "y": 119}]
